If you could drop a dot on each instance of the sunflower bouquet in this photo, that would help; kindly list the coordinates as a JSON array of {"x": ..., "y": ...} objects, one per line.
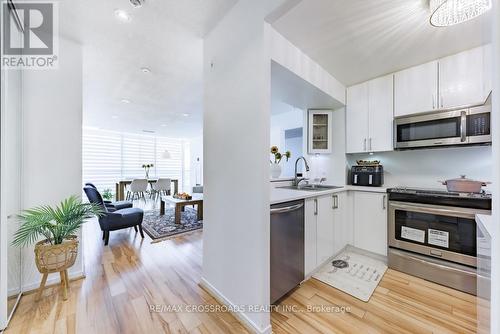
[{"x": 278, "y": 156}]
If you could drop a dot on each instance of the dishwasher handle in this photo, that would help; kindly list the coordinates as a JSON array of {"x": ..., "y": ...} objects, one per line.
[{"x": 287, "y": 208}]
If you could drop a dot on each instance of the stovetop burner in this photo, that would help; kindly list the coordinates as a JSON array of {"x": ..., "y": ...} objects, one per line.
[{"x": 441, "y": 197}]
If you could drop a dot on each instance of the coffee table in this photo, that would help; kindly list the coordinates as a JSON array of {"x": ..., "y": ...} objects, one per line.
[{"x": 180, "y": 204}]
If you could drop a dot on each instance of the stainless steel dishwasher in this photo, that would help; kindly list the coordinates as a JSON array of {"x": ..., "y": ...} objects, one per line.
[{"x": 287, "y": 247}]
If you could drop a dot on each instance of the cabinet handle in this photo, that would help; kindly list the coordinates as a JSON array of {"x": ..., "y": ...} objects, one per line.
[
  {"x": 335, "y": 202},
  {"x": 442, "y": 103},
  {"x": 370, "y": 143},
  {"x": 364, "y": 144},
  {"x": 433, "y": 102},
  {"x": 315, "y": 207},
  {"x": 383, "y": 201}
]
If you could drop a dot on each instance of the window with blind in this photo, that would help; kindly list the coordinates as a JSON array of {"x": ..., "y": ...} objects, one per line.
[{"x": 111, "y": 156}]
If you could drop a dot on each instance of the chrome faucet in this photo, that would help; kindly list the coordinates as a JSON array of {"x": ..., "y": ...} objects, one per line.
[{"x": 296, "y": 179}]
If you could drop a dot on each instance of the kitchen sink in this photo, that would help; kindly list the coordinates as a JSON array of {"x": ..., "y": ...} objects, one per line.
[{"x": 311, "y": 187}]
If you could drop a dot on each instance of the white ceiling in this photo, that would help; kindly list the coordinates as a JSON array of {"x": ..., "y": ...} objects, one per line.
[
  {"x": 356, "y": 40},
  {"x": 163, "y": 35}
]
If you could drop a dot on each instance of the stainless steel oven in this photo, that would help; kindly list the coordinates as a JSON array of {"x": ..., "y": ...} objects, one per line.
[
  {"x": 444, "y": 128},
  {"x": 432, "y": 235},
  {"x": 442, "y": 232}
]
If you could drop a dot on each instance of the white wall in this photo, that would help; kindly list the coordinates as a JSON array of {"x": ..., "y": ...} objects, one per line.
[
  {"x": 52, "y": 143},
  {"x": 236, "y": 166},
  {"x": 288, "y": 118},
  {"x": 423, "y": 168}
]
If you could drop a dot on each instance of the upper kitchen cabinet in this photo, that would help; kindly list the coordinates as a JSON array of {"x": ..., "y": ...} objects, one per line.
[
  {"x": 381, "y": 114},
  {"x": 320, "y": 131},
  {"x": 464, "y": 78},
  {"x": 357, "y": 118},
  {"x": 369, "y": 116},
  {"x": 416, "y": 89}
]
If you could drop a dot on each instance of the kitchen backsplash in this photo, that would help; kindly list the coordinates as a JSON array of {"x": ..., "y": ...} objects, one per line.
[{"x": 423, "y": 168}]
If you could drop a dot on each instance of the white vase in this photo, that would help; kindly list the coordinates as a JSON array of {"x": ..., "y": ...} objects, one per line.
[{"x": 275, "y": 171}]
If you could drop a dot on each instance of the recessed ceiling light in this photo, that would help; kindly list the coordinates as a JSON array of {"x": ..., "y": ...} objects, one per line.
[
  {"x": 122, "y": 15},
  {"x": 185, "y": 115},
  {"x": 164, "y": 125},
  {"x": 114, "y": 117},
  {"x": 145, "y": 70},
  {"x": 126, "y": 101}
]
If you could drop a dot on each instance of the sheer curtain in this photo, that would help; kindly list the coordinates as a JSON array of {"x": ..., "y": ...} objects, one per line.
[{"x": 111, "y": 156}]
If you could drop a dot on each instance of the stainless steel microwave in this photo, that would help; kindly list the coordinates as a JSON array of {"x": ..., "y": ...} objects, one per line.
[{"x": 465, "y": 126}]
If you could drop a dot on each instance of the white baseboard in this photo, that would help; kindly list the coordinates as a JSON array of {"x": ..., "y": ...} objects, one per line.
[{"x": 242, "y": 317}]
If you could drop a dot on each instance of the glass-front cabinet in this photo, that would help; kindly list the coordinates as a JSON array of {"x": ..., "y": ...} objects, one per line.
[{"x": 320, "y": 131}]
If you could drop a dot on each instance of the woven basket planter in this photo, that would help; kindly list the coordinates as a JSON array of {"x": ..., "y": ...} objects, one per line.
[{"x": 55, "y": 258}]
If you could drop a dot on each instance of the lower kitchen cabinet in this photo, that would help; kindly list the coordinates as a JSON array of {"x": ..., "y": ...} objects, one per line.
[
  {"x": 370, "y": 221},
  {"x": 310, "y": 235},
  {"x": 319, "y": 231},
  {"x": 344, "y": 218},
  {"x": 343, "y": 229},
  {"x": 325, "y": 228}
]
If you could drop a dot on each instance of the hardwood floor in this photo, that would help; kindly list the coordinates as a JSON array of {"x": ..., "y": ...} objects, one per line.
[
  {"x": 400, "y": 304},
  {"x": 131, "y": 274}
]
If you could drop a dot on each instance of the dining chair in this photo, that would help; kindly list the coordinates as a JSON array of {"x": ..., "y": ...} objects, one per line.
[
  {"x": 137, "y": 187},
  {"x": 161, "y": 186}
]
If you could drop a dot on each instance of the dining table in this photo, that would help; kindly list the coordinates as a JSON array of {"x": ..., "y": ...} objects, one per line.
[{"x": 120, "y": 187}]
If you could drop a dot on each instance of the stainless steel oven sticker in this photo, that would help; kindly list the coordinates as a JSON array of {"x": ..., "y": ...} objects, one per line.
[
  {"x": 412, "y": 234},
  {"x": 439, "y": 238}
]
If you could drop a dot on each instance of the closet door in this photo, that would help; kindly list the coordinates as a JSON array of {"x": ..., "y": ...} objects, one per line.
[{"x": 10, "y": 186}]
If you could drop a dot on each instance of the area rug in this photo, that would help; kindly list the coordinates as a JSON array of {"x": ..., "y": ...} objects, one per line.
[
  {"x": 353, "y": 273},
  {"x": 163, "y": 227}
]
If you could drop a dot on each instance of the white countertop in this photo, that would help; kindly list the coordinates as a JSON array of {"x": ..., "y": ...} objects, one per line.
[
  {"x": 486, "y": 224},
  {"x": 280, "y": 195}
]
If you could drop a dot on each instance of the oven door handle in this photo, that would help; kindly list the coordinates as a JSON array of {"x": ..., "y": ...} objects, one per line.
[
  {"x": 440, "y": 266},
  {"x": 465, "y": 213}
]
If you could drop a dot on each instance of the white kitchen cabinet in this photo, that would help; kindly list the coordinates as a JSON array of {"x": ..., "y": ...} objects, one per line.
[
  {"x": 465, "y": 78},
  {"x": 357, "y": 118},
  {"x": 310, "y": 235},
  {"x": 381, "y": 114},
  {"x": 416, "y": 89},
  {"x": 370, "y": 221},
  {"x": 343, "y": 230},
  {"x": 369, "y": 116},
  {"x": 320, "y": 131},
  {"x": 324, "y": 229}
]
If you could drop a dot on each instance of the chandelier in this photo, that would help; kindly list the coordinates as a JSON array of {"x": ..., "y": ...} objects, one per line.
[{"x": 446, "y": 13}]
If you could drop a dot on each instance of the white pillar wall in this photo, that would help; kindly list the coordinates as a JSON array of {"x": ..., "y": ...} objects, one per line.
[{"x": 236, "y": 123}]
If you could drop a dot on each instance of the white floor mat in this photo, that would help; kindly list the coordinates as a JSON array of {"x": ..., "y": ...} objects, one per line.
[{"x": 353, "y": 273}]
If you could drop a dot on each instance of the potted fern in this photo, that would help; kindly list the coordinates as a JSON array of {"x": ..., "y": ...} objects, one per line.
[{"x": 57, "y": 225}]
